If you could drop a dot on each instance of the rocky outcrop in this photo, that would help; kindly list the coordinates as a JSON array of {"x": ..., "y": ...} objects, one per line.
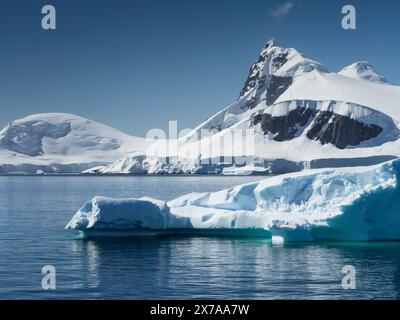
[
  {"x": 251, "y": 81},
  {"x": 256, "y": 73},
  {"x": 284, "y": 128},
  {"x": 258, "y": 78},
  {"x": 341, "y": 131},
  {"x": 323, "y": 126},
  {"x": 277, "y": 86}
]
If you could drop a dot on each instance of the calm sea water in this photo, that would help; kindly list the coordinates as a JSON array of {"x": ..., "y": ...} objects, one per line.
[{"x": 34, "y": 211}]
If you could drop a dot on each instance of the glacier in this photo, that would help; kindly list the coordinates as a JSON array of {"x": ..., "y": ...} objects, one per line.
[{"x": 354, "y": 204}]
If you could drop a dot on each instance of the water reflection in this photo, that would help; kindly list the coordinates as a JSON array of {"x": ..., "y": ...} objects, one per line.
[{"x": 199, "y": 267}]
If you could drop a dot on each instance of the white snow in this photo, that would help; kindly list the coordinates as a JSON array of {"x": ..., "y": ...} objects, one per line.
[
  {"x": 297, "y": 64},
  {"x": 344, "y": 204},
  {"x": 244, "y": 171},
  {"x": 363, "y": 70},
  {"x": 321, "y": 86},
  {"x": 44, "y": 141},
  {"x": 125, "y": 214}
]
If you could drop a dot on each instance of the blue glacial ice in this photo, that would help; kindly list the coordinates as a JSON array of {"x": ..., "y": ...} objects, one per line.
[{"x": 359, "y": 204}]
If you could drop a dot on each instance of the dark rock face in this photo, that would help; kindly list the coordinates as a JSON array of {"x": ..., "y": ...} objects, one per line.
[
  {"x": 255, "y": 99},
  {"x": 250, "y": 82},
  {"x": 274, "y": 86},
  {"x": 284, "y": 128},
  {"x": 257, "y": 78},
  {"x": 279, "y": 60},
  {"x": 277, "y": 86},
  {"x": 326, "y": 127},
  {"x": 341, "y": 131},
  {"x": 254, "y": 76}
]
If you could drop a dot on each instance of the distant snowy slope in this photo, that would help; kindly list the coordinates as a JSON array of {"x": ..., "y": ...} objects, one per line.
[
  {"x": 363, "y": 71},
  {"x": 50, "y": 138}
]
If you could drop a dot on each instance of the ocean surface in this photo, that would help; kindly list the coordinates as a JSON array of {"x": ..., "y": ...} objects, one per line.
[{"x": 34, "y": 211}]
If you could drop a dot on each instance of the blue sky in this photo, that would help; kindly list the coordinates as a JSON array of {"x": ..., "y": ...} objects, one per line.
[{"x": 136, "y": 64}]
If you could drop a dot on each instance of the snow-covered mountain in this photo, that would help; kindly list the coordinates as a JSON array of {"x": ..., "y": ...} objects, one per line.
[
  {"x": 299, "y": 114},
  {"x": 302, "y": 116},
  {"x": 58, "y": 142},
  {"x": 271, "y": 75},
  {"x": 286, "y": 93}
]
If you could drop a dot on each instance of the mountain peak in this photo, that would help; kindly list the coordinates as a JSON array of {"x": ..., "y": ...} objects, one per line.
[
  {"x": 271, "y": 43},
  {"x": 278, "y": 62},
  {"x": 363, "y": 70}
]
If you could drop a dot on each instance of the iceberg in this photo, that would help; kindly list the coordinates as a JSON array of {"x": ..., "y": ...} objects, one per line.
[{"x": 354, "y": 204}]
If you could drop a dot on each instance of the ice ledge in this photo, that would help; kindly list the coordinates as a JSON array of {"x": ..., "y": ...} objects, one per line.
[
  {"x": 103, "y": 213},
  {"x": 360, "y": 204}
]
